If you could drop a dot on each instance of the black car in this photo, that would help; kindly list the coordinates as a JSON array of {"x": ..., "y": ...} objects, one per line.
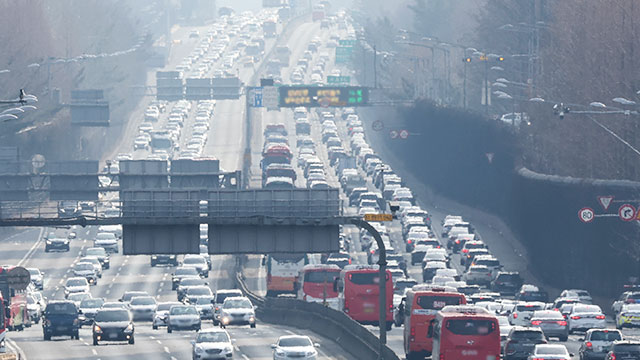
[
  {"x": 56, "y": 244},
  {"x": 521, "y": 342},
  {"x": 164, "y": 260},
  {"x": 113, "y": 325},
  {"x": 506, "y": 282},
  {"x": 68, "y": 209},
  {"x": 60, "y": 318},
  {"x": 625, "y": 349}
]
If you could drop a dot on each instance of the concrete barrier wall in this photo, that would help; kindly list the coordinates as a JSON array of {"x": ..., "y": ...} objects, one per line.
[
  {"x": 451, "y": 155},
  {"x": 329, "y": 323}
]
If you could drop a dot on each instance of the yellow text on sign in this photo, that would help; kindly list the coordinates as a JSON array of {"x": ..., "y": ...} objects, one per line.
[{"x": 378, "y": 217}]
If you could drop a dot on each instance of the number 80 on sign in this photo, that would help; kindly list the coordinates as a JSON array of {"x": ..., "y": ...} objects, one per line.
[{"x": 586, "y": 215}]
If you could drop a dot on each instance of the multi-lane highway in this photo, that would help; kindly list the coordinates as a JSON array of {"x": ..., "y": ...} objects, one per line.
[{"x": 225, "y": 142}]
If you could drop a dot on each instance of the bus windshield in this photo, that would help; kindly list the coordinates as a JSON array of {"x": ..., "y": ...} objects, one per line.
[{"x": 471, "y": 327}]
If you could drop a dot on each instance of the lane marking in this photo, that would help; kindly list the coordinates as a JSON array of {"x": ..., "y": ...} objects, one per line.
[
  {"x": 166, "y": 349},
  {"x": 159, "y": 342},
  {"x": 245, "y": 357},
  {"x": 94, "y": 351},
  {"x": 32, "y": 250}
]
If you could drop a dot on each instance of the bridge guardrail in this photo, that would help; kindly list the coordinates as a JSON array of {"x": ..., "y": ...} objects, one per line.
[{"x": 327, "y": 322}]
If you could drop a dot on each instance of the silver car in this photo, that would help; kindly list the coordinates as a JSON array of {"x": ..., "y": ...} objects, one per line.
[
  {"x": 552, "y": 324},
  {"x": 183, "y": 317},
  {"x": 142, "y": 307}
]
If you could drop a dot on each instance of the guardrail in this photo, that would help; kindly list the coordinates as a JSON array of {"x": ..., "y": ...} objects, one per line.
[{"x": 327, "y": 322}]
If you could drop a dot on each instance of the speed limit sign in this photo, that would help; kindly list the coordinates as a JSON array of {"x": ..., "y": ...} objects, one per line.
[{"x": 586, "y": 215}]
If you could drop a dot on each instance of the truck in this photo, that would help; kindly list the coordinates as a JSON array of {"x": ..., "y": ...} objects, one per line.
[
  {"x": 269, "y": 28},
  {"x": 283, "y": 53},
  {"x": 162, "y": 141},
  {"x": 318, "y": 12}
]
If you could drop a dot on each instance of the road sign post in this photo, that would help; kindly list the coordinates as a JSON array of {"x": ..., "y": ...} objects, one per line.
[
  {"x": 586, "y": 215},
  {"x": 627, "y": 212}
]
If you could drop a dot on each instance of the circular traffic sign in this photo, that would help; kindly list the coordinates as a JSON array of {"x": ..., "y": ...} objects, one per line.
[
  {"x": 586, "y": 215},
  {"x": 393, "y": 134},
  {"x": 324, "y": 101},
  {"x": 18, "y": 278},
  {"x": 377, "y": 125},
  {"x": 627, "y": 212},
  {"x": 404, "y": 134}
]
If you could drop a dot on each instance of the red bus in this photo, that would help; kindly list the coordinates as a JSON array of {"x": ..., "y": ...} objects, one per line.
[
  {"x": 358, "y": 287},
  {"x": 315, "y": 284},
  {"x": 282, "y": 273},
  {"x": 3, "y": 324},
  {"x": 421, "y": 305},
  {"x": 465, "y": 332}
]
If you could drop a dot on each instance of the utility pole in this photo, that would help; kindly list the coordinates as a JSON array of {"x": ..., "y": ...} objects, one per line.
[{"x": 375, "y": 67}]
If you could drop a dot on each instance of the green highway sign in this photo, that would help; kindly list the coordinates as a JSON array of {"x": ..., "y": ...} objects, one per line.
[
  {"x": 349, "y": 42},
  {"x": 338, "y": 79},
  {"x": 343, "y": 54}
]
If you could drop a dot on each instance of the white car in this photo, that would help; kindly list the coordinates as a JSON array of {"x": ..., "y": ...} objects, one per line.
[
  {"x": 585, "y": 317},
  {"x": 106, "y": 240},
  {"x": 237, "y": 310},
  {"x": 204, "y": 304},
  {"x": 142, "y": 307},
  {"x": 294, "y": 346},
  {"x": 198, "y": 262},
  {"x": 183, "y": 317},
  {"x": 79, "y": 297},
  {"x": 37, "y": 277},
  {"x": 212, "y": 343},
  {"x": 477, "y": 274},
  {"x": 550, "y": 352},
  {"x": 76, "y": 285}
]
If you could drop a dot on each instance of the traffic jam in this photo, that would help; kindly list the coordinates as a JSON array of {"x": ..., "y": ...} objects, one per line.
[{"x": 447, "y": 295}]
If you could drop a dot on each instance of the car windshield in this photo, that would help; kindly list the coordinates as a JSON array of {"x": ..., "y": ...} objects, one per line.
[
  {"x": 509, "y": 278},
  {"x": 237, "y": 304},
  {"x": 221, "y": 296},
  {"x": 218, "y": 336},
  {"x": 143, "y": 301},
  {"x": 294, "y": 341},
  {"x": 61, "y": 308},
  {"x": 198, "y": 291},
  {"x": 96, "y": 252},
  {"x": 620, "y": 348},
  {"x": 76, "y": 282},
  {"x": 91, "y": 303},
  {"x": 192, "y": 281},
  {"x": 83, "y": 267},
  {"x": 78, "y": 296},
  {"x": 186, "y": 271},
  {"x": 204, "y": 300},
  {"x": 112, "y": 315},
  {"x": 183, "y": 310},
  {"x": 34, "y": 272},
  {"x": 527, "y": 335},
  {"x": 605, "y": 336},
  {"x": 551, "y": 350},
  {"x": 587, "y": 309},
  {"x": 194, "y": 260},
  {"x": 166, "y": 306},
  {"x": 129, "y": 295}
]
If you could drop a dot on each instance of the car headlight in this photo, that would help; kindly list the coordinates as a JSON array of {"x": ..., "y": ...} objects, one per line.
[
  {"x": 154, "y": 257},
  {"x": 311, "y": 353},
  {"x": 279, "y": 352},
  {"x": 97, "y": 329},
  {"x": 252, "y": 319},
  {"x": 199, "y": 349},
  {"x": 225, "y": 320},
  {"x": 48, "y": 242},
  {"x": 106, "y": 260},
  {"x": 228, "y": 349},
  {"x": 129, "y": 328}
]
